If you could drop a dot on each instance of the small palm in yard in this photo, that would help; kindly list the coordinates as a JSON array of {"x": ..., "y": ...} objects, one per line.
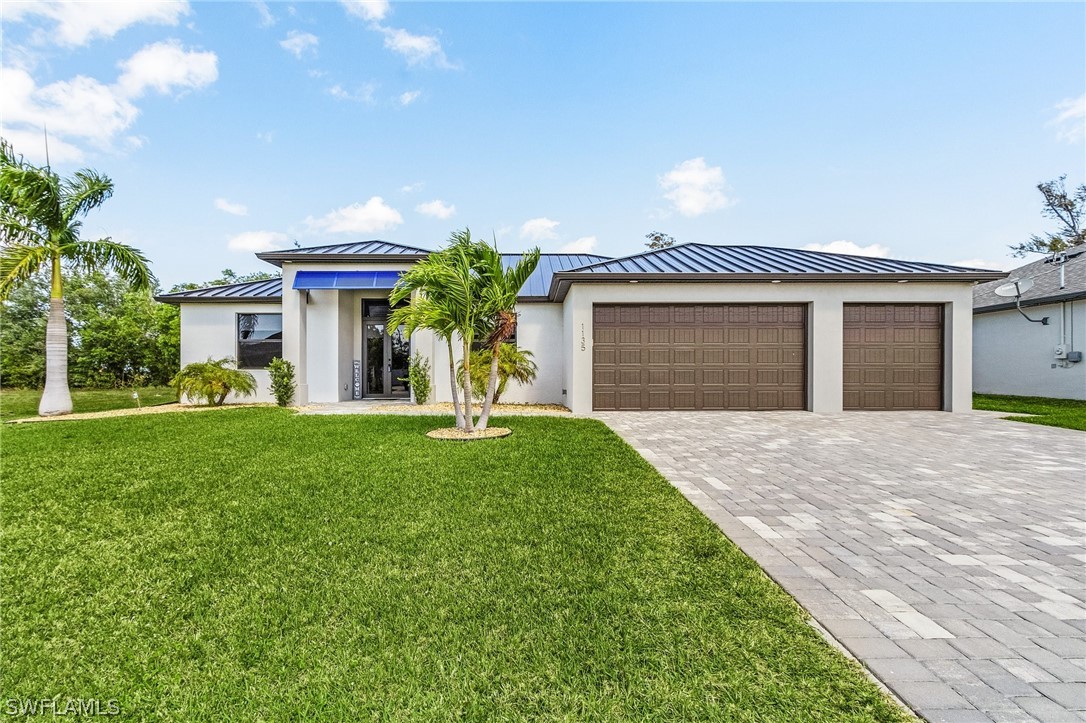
[
  {"x": 513, "y": 363},
  {"x": 213, "y": 381},
  {"x": 41, "y": 217}
]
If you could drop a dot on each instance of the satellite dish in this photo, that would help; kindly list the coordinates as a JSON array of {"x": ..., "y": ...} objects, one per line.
[{"x": 1015, "y": 288}]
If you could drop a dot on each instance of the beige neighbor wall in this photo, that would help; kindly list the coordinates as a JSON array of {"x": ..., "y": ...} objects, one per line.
[
  {"x": 1014, "y": 356},
  {"x": 825, "y": 302},
  {"x": 210, "y": 330},
  {"x": 539, "y": 330}
]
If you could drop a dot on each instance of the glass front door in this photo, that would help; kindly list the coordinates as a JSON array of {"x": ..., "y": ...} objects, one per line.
[{"x": 385, "y": 355}]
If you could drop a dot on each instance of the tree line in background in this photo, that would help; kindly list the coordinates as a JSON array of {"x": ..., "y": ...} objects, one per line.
[{"x": 118, "y": 336}]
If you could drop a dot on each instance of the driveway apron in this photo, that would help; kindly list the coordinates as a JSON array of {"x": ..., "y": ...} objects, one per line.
[{"x": 947, "y": 552}]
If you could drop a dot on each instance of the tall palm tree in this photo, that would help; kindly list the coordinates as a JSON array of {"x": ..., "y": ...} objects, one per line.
[
  {"x": 425, "y": 312},
  {"x": 40, "y": 220},
  {"x": 498, "y": 299}
]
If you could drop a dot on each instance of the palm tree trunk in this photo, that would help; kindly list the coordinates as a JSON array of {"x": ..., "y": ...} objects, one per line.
[
  {"x": 452, "y": 380},
  {"x": 491, "y": 388},
  {"x": 469, "y": 419},
  {"x": 56, "y": 399}
]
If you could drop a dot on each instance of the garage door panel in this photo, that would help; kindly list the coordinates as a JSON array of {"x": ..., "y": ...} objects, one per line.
[
  {"x": 893, "y": 356},
  {"x": 717, "y": 356}
]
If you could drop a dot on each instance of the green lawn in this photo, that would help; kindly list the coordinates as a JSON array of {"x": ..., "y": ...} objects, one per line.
[
  {"x": 261, "y": 565},
  {"x": 22, "y": 403},
  {"x": 1069, "y": 413}
]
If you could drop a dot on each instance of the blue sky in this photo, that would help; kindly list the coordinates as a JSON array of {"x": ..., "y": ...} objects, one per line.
[{"x": 911, "y": 130}]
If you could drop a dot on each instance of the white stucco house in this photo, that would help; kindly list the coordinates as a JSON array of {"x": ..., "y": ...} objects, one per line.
[
  {"x": 1039, "y": 358},
  {"x": 693, "y": 326}
]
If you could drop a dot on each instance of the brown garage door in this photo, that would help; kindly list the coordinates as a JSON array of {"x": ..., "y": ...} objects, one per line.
[
  {"x": 718, "y": 356},
  {"x": 893, "y": 356}
]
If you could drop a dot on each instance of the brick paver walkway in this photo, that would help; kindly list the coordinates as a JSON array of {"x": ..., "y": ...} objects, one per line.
[{"x": 946, "y": 551}]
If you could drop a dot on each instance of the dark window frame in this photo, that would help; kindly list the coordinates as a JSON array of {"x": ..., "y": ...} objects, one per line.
[{"x": 238, "y": 341}]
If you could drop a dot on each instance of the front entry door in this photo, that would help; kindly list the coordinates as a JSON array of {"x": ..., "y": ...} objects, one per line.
[{"x": 385, "y": 356}]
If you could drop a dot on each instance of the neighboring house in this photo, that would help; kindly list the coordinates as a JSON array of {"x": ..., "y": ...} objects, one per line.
[
  {"x": 692, "y": 326},
  {"x": 1012, "y": 355}
]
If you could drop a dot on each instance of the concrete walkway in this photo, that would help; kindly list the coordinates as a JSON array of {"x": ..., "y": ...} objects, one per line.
[{"x": 946, "y": 551}]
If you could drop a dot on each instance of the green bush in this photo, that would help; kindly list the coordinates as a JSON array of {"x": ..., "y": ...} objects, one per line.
[
  {"x": 212, "y": 381},
  {"x": 282, "y": 381},
  {"x": 418, "y": 378}
]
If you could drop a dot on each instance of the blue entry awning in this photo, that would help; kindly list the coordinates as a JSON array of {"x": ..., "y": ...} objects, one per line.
[{"x": 346, "y": 279}]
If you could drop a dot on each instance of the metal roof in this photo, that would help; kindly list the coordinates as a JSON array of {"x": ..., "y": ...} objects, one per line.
[
  {"x": 268, "y": 290},
  {"x": 695, "y": 258},
  {"x": 373, "y": 249},
  {"x": 1046, "y": 284},
  {"x": 539, "y": 283}
]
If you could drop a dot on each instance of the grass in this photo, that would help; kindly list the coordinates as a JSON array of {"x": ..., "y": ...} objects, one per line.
[
  {"x": 289, "y": 567},
  {"x": 22, "y": 403},
  {"x": 1069, "y": 413}
]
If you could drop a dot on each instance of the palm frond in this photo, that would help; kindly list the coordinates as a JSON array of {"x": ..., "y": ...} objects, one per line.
[
  {"x": 129, "y": 263},
  {"x": 86, "y": 190},
  {"x": 30, "y": 193},
  {"x": 18, "y": 263}
]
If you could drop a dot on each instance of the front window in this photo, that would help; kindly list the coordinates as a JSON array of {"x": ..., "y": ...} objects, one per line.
[{"x": 260, "y": 339}]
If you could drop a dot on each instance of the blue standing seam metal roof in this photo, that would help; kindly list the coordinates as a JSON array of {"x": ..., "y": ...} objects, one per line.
[
  {"x": 266, "y": 290},
  {"x": 361, "y": 248},
  {"x": 539, "y": 283},
  {"x": 345, "y": 279},
  {"x": 695, "y": 258}
]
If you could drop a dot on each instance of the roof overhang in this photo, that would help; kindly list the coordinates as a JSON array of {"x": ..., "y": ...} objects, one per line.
[
  {"x": 562, "y": 280},
  {"x": 278, "y": 257},
  {"x": 1044, "y": 301},
  {"x": 175, "y": 299}
]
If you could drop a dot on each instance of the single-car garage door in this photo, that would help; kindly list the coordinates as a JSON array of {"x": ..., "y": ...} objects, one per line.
[
  {"x": 893, "y": 356},
  {"x": 685, "y": 356}
]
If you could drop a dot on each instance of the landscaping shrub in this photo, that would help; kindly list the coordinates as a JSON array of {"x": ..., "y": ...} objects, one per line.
[
  {"x": 418, "y": 378},
  {"x": 513, "y": 363},
  {"x": 282, "y": 381},
  {"x": 213, "y": 380}
]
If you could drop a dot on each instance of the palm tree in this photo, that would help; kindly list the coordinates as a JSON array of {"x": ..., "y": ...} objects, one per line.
[
  {"x": 499, "y": 316},
  {"x": 424, "y": 312},
  {"x": 40, "y": 220},
  {"x": 513, "y": 363}
]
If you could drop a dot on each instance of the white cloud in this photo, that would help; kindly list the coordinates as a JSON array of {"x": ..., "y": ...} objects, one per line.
[
  {"x": 78, "y": 22},
  {"x": 409, "y": 97},
  {"x": 436, "y": 209},
  {"x": 412, "y": 187},
  {"x": 266, "y": 136},
  {"x": 1070, "y": 120},
  {"x": 256, "y": 241},
  {"x": 982, "y": 264},
  {"x": 234, "y": 209},
  {"x": 695, "y": 188},
  {"x": 166, "y": 66},
  {"x": 372, "y": 10},
  {"x": 372, "y": 216},
  {"x": 539, "y": 229},
  {"x": 299, "y": 43},
  {"x": 849, "y": 248},
  {"x": 363, "y": 94},
  {"x": 84, "y": 110},
  {"x": 583, "y": 245},
  {"x": 417, "y": 49},
  {"x": 267, "y": 19}
]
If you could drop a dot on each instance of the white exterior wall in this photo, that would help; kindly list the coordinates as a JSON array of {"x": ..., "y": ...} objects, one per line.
[
  {"x": 825, "y": 368},
  {"x": 1014, "y": 356},
  {"x": 539, "y": 330},
  {"x": 210, "y": 330}
]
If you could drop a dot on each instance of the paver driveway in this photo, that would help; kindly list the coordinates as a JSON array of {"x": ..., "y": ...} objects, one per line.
[{"x": 945, "y": 551}]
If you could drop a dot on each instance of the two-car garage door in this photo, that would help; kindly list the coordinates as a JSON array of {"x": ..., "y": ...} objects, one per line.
[
  {"x": 754, "y": 356},
  {"x": 686, "y": 356}
]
